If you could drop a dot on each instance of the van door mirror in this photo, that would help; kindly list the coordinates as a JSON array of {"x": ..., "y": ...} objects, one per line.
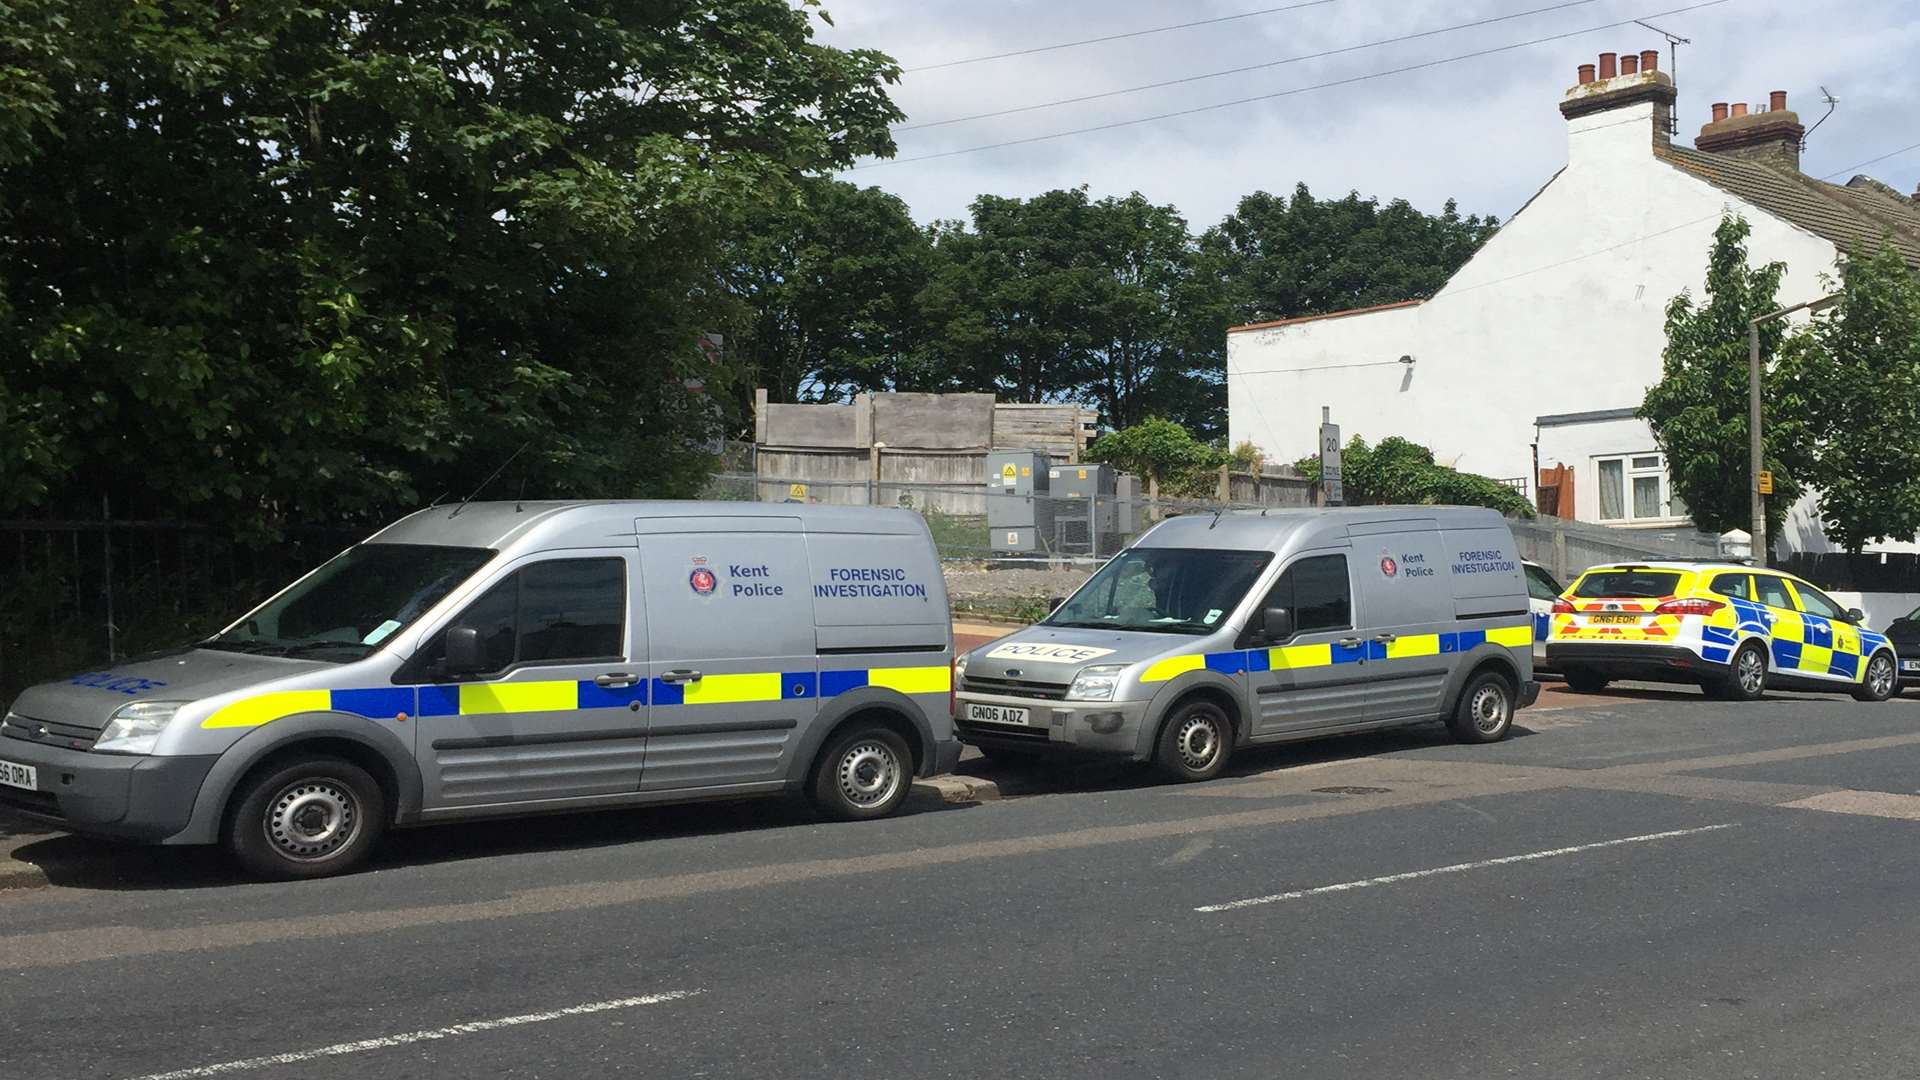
[
  {"x": 1856, "y": 616},
  {"x": 465, "y": 656},
  {"x": 1276, "y": 623},
  {"x": 1054, "y": 603}
]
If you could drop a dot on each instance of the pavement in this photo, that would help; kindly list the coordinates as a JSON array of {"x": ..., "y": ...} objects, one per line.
[{"x": 1652, "y": 884}]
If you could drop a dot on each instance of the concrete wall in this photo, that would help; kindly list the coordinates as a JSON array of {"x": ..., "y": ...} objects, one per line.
[
  {"x": 1562, "y": 311},
  {"x": 1881, "y": 607}
]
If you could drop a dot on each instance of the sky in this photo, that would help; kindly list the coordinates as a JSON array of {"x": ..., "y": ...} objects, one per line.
[{"x": 1485, "y": 131}]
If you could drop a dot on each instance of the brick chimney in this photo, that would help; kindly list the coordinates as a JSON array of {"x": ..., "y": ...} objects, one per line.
[
  {"x": 1770, "y": 136},
  {"x": 1621, "y": 84}
]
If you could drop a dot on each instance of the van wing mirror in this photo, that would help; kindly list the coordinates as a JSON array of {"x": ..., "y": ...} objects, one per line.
[
  {"x": 1053, "y": 604},
  {"x": 1276, "y": 623},
  {"x": 464, "y": 653}
]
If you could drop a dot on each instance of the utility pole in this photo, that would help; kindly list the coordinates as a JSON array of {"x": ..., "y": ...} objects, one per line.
[{"x": 1755, "y": 451}]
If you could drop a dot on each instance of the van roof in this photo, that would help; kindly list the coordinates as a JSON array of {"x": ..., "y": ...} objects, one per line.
[
  {"x": 1303, "y": 526},
  {"x": 583, "y": 523}
]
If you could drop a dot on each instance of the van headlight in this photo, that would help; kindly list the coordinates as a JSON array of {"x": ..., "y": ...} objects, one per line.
[
  {"x": 134, "y": 729},
  {"x": 1096, "y": 683}
]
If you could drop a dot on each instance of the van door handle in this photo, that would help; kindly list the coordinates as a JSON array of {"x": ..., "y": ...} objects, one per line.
[
  {"x": 615, "y": 678},
  {"x": 680, "y": 675},
  {"x": 1348, "y": 643},
  {"x": 1385, "y": 639}
]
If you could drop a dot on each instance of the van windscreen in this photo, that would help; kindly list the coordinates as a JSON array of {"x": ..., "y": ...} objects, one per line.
[
  {"x": 1627, "y": 584},
  {"x": 1163, "y": 590}
]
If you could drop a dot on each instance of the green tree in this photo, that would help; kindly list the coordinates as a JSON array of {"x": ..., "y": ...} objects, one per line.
[
  {"x": 1400, "y": 471},
  {"x": 1698, "y": 409},
  {"x": 1851, "y": 383},
  {"x": 314, "y": 261},
  {"x": 831, "y": 279},
  {"x": 1281, "y": 258},
  {"x": 1163, "y": 451}
]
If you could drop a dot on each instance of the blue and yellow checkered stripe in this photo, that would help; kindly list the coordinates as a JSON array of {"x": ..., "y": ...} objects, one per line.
[
  {"x": 1294, "y": 657},
  {"x": 1798, "y": 642},
  {"x": 568, "y": 695}
]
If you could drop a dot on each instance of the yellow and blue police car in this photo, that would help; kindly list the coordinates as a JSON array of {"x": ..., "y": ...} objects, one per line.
[{"x": 1734, "y": 630}]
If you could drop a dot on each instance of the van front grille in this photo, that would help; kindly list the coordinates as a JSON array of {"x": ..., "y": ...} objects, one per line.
[{"x": 983, "y": 684}]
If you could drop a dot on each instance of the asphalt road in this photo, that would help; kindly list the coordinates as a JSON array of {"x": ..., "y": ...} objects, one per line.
[{"x": 1650, "y": 885}]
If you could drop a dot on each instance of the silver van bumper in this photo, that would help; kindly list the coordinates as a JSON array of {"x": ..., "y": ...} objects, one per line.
[
  {"x": 116, "y": 795},
  {"x": 1103, "y": 727}
]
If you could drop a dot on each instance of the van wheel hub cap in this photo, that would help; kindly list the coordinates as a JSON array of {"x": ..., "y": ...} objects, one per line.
[
  {"x": 1489, "y": 709},
  {"x": 312, "y": 819},
  {"x": 869, "y": 774},
  {"x": 1198, "y": 743}
]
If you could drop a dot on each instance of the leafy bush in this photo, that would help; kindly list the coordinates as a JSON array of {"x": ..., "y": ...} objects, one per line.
[{"x": 1162, "y": 450}]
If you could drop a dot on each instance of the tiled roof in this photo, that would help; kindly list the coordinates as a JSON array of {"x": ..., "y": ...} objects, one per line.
[{"x": 1852, "y": 217}]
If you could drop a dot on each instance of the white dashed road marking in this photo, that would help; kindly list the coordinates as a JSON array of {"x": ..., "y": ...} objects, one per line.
[
  {"x": 474, "y": 1028},
  {"x": 1456, "y": 868}
]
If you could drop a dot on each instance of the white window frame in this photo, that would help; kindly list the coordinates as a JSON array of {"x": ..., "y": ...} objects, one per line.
[{"x": 1629, "y": 473}]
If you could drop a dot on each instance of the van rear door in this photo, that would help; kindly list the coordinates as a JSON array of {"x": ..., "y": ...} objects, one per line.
[
  {"x": 733, "y": 674},
  {"x": 1405, "y": 610}
]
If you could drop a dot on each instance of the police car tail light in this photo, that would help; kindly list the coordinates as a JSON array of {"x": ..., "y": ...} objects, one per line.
[
  {"x": 1696, "y": 606},
  {"x": 1564, "y": 606}
]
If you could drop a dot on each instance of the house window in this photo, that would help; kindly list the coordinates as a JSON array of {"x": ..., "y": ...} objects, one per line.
[{"x": 1634, "y": 487}]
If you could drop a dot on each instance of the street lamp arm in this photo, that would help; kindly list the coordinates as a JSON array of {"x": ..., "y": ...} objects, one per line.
[{"x": 1756, "y": 502}]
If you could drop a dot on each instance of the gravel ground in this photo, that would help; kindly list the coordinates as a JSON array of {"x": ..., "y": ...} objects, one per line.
[{"x": 1022, "y": 592}]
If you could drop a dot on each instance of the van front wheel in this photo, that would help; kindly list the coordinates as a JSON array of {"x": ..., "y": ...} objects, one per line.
[
  {"x": 865, "y": 773},
  {"x": 307, "y": 819},
  {"x": 1195, "y": 743},
  {"x": 1485, "y": 711}
]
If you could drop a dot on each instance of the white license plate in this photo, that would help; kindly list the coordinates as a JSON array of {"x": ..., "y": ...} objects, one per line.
[
  {"x": 20, "y": 776},
  {"x": 1613, "y": 619},
  {"x": 996, "y": 714},
  {"x": 1910, "y": 665}
]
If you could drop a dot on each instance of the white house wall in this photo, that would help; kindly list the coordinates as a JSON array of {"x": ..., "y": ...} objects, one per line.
[{"x": 1562, "y": 311}]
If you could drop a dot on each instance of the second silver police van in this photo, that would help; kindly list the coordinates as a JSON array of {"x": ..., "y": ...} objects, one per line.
[
  {"x": 498, "y": 658},
  {"x": 1213, "y": 633}
]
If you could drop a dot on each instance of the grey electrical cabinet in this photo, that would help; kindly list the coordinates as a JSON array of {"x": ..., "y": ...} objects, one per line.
[{"x": 1019, "y": 514}]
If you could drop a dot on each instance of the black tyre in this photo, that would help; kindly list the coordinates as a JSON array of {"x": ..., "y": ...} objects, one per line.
[
  {"x": 1586, "y": 682},
  {"x": 306, "y": 819},
  {"x": 1746, "y": 677},
  {"x": 1881, "y": 680},
  {"x": 1195, "y": 743},
  {"x": 1484, "y": 712},
  {"x": 865, "y": 773}
]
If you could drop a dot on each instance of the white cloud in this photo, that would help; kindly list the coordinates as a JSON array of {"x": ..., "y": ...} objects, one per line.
[{"x": 1484, "y": 131}]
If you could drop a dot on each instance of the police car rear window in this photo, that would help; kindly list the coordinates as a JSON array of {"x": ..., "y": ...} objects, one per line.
[{"x": 1627, "y": 584}]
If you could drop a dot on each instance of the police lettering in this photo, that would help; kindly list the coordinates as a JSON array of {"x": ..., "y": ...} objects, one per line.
[{"x": 869, "y": 583}]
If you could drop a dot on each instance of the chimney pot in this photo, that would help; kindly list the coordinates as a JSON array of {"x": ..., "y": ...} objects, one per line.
[
  {"x": 1719, "y": 111},
  {"x": 1607, "y": 67},
  {"x": 1777, "y": 101},
  {"x": 1650, "y": 60},
  {"x": 1629, "y": 64},
  {"x": 1739, "y": 108},
  {"x": 1586, "y": 74}
]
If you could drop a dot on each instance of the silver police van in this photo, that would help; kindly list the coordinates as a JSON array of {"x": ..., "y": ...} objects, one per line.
[
  {"x": 499, "y": 658},
  {"x": 1215, "y": 632}
]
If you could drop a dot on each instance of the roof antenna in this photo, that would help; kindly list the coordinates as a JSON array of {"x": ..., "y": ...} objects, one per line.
[
  {"x": 490, "y": 478},
  {"x": 520, "y": 500},
  {"x": 1674, "y": 41},
  {"x": 1832, "y": 104}
]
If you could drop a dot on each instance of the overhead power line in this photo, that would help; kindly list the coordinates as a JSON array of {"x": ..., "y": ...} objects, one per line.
[
  {"x": 1286, "y": 93},
  {"x": 1118, "y": 37},
  {"x": 1243, "y": 70},
  {"x": 1872, "y": 161}
]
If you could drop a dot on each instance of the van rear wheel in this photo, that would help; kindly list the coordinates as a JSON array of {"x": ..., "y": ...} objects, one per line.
[
  {"x": 865, "y": 773},
  {"x": 1484, "y": 713},
  {"x": 306, "y": 819}
]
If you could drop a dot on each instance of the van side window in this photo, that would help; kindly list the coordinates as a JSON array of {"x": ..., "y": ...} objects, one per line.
[
  {"x": 1316, "y": 589},
  {"x": 547, "y": 613},
  {"x": 1734, "y": 585}
]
